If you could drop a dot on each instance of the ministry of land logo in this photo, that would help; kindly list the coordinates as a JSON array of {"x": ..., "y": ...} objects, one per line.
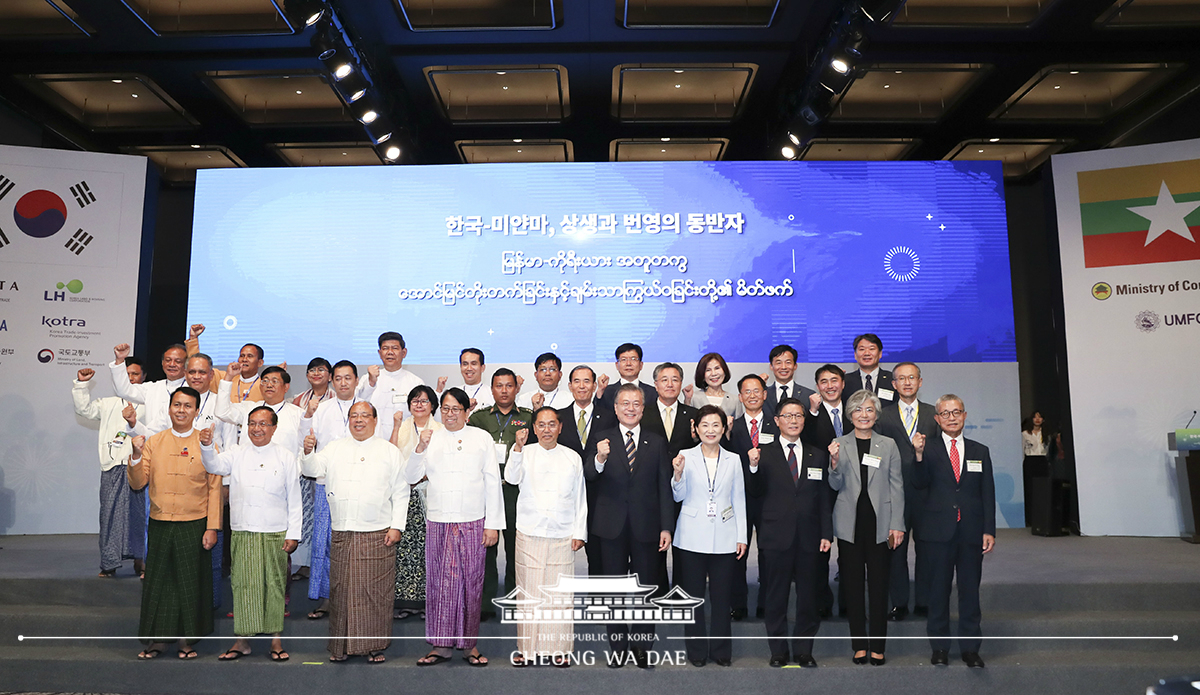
[
  {"x": 620, "y": 599},
  {"x": 1146, "y": 321},
  {"x": 1102, "y": 290}
]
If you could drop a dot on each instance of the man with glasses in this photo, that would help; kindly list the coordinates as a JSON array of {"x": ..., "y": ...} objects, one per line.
[
  {"x": 635, "y": 510},
  {"x": 751, "y": 431},
  {"x": 391, "y": 386},
  {"x": 547, "y": 375},
  {"x": 327, "y": 422},
  {"x": 956, "y": 528},
  {"x": 502, "y": 421},
  {"x": 900, "y": 421},
  {"x": 629, "y": 366},
  {"x": 274, "y": 384}
]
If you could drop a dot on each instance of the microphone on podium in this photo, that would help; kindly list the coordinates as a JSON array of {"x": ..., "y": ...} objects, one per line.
[{"x": 1193, "y": 417}]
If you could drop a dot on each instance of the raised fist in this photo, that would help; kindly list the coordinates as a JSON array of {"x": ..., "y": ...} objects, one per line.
[
  {"x": 677, "y": 464},
  {"x": 754, "y": 455},
  {"x": 130, "y": 414},
  {"x": 602, "y": 448},
  {"x": 601, "y": 384},
  {"x": 206, "y": 435},
  {"x": 687, "y": 393},
  {"x": 814, "y": 402},
  {"x": 520, "y": 383},
  {"x": 398, "y": 419},
  {"x": 85, "y": 374},
  {"x": 373, "y": 374},
  {"x": 537, "y": 400},
  {"x": 138, "y": 442},
  {"x": 195, "y": 330},
  {"x": 834, "y": 449},
  {"x": 423, "y": 442},
  {"x": 918, "y": 442},
  {"x": 121, "y": 352},
  {"x": 234, "y": 369},
  {"x": 441, "y": 383},
  {"x": 521, "y": 436},
  {"x": 312, "y": 407}
]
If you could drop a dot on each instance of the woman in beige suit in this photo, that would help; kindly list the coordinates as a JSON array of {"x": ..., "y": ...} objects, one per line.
[{"x": 868, "y": 521}]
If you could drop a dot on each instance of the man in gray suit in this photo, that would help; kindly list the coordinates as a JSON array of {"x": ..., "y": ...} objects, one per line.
[{"x": 900, "y": 421}]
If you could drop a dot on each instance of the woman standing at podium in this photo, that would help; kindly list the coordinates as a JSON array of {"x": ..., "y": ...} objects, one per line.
[{"x": 1036, "y": 465}]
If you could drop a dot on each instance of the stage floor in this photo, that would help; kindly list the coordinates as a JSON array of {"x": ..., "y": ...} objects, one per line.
[{"x": 1042, "y": 591}]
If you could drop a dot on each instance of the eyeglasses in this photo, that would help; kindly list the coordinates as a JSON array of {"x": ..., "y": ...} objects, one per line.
[
  {"x": 419, "y": 401},
  {"x": 547, "y": 370},
  {"x": 453, "y": 410},
  {"x": 790, "y": 416},
  {"x": 952, "y": 413},
  {"x": 629, "y": 360},
  {"x": 318, "y": 370},
  {"x": 752, "y": 392},
  {"x": 906, "y": 378}
]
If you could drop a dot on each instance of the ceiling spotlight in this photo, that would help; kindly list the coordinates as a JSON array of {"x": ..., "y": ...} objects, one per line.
[
  {"x": 788, "y": 151},
  {"x": 794, "y": 138},
  {"x": 1057, "y": 86},
  {"x": 326, "y": 54},
  {"x": 679, "y": 72},
  {"x": 506, "y": 86},
  {"x": 899, "y": 72},
  {"x": 392, "y": 153},
  {"x": 353, "y": 87},
  {"x": 356, "y": 96},
  {"x": 501, "y": 72},
  {"x": 516, "y": 139},
  {"x": 135, "y": 96},
  {"x": 313, "y": 18},
  {"x": 520, "y": 150},
  {"x": 663, "y": 150},
  {"x": 369, "y": 116},
  {"x": 299, "y": 92},
  {"x": 342, "y": 70},
  {"x": 1074, "y": 72},
  {"x": 383, "y": 138},
  {"x": 678, "y": 86},
  {"x": 117, "y": 81},
  {"x": 887, "y": 86},
  {"x": 980, "y": 151},
  {"x": 993, "y": 139},
  {"x": 307, "y": 11},
  {"x": 838, "y": 64},
  {"x": 195, "y": 147},
  {"x": 665, "y": 139}
]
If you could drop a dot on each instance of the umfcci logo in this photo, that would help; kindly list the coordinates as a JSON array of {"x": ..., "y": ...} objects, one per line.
[{"x": 1146, "y": 321}]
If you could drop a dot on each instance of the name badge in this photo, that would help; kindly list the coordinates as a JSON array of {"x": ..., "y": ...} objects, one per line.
[
  {"x": 397, "y": 398},
  {"x": 886, "y": 394},
  {"x": 712, "y": 508},
  {"x": 501, "y": 452},
  {"x": 974, "y": 466},
  {"x": 727, "y": 514},
  {"x": 764, "y": 438},
  {"x": 870, "y": 460},
  {"x": 815, "y": 473}
]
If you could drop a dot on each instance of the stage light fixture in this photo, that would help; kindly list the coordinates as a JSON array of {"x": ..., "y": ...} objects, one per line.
[
  {"x": 369, "y": 116},
  {"x": 788, "y": 152},
  {"x": 392, "y": 153},
  {"x": 840, "y": 66},
  {"x": 379, "y": 130},
  {"x": 854, "y": 40},
  {"x": 353, "y": 87},
  {"x": 307, "y": 11},
  {"x": 881, "y": 11},
  {"x": 343, "y": 70}
]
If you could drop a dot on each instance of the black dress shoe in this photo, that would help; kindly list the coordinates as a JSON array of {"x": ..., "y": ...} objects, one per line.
[
  {"x": 758, "y": 612},
  {"x": 723, "y": 662},
  {"x": 922, "y": 611},
  {"x": 972, "y": 660},
  {"x": 699, "y": 662},
  {"x": 940, "y": 657},
  {"x": 778, "y": 661},
  {"x": 898, "y": 613},
  {"x": 640, "y": 658},
  {"x": 861, "y": 660},
  {"x": 806, "y": 661},
  {"x": 880, "y": 661},
  {"x": 737, "y": 614}
]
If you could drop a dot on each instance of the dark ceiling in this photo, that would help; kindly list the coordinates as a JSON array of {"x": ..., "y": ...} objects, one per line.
[{"x": 596, "y": 80}]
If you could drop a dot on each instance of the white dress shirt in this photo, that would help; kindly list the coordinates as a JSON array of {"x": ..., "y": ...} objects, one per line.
[
  {"x": 668, "y": 422},
  {"x": 1031, "y": 442},
  {"x": 874, "y": 374},
  {"x": 264, "y": 487},
  {"x": 791, "y": 390},
  {"x": 364, "y": 484},
  {"x": 115, "y": 442},
  {"x": 389, "y": 395},
  {"x": 557, "y": 398},
  {"x": 637, "y": 442},
  {"x": 759, "y": 418},
  {"x": 287, "y": 432},
  {"x": 587, "y": 419},
  {"x": 329, "y": 423},
  {"x": 481, "y": 393},
  {"x": 155, "y": 395},
  {"x": 958, "y": 444},
  {"x": 464, "y": 478},
  {"x": 553, "y": 500}
]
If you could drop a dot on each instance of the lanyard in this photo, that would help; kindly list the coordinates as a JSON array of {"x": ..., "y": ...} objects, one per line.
[
  {"x": 346, "y": 413},
  {"x": 505, "y": 425},
  {"x": 475, "y": 396},
  {"x": 712, "y": 478}
]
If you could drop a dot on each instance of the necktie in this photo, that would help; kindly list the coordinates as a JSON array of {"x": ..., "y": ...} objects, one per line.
[
  {"x": 792, "y": 463},
  {"x": 754, "y": 433},
  {"x": 908, "y": 420},
  {"x": 837, "y": 422},
  {"x": 783, "y": 391},
  {"x": 869, "y": 386},
  {"x": 956, "y": 465},
  {"x": 669, "y": 423},
  {"x": 630, "y": 450},
  {"x": 582, "y": 426}
]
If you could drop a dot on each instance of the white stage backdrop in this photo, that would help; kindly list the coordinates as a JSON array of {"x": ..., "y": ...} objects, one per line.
[
  {"x": 1128, "y": 221},
  {"x": 70, "y": 241}
]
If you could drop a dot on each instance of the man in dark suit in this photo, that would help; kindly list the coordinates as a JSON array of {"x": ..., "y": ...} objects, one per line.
[
  {"x": 582, "y": 418},
  {"x": 782, "y": 359},
  {"x": 868, "y": 348},
  {"x": 629, "y": 366},
  {"x": 753, "y": 430},
  {"x": 634, "y": 512},
  {"x": 826, "y": 420},
  {"x": 900, "y": 421},
  {"x": 667, "y": 408},
  {"x": 956, "y": 528},
  {"x": 792, "y": 480}
]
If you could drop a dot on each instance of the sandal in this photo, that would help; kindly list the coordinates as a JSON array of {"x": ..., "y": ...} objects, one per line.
[
  {"x": 107, "y": 574},
  {"x": 231, "y": 655},
  {"x": 518, "y": 660},
  {"x": 432, "y": 659},
  {"x": 279, "y": 655},
  {"x": 476, "y": 660},
  {"x": 188, "y": 654},
  {"x": 403, "y": 614},
  {"x": 148, "y": 654},
  {"x": 336, "y": 660},
  {"x": 376, "y": 658},
  {"x": 318, "y": 614},
  {"x": 562, "y": 662}
]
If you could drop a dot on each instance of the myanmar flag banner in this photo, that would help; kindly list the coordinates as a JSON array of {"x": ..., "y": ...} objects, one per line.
[{"x": 1140, "y": 214}]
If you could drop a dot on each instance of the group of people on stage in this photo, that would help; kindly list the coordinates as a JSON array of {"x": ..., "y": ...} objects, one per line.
[{"x": 399, "y": 493}]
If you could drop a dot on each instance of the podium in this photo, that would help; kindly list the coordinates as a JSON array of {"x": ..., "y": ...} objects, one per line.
[{"x": 1187, "y": 443}]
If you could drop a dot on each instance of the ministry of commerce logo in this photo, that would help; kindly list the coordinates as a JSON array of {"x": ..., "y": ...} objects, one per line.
[
  {"x": 1146, "y": 321},
  {"x": 1101, "y": 290},
  {"x": 620, "y": 599}
]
